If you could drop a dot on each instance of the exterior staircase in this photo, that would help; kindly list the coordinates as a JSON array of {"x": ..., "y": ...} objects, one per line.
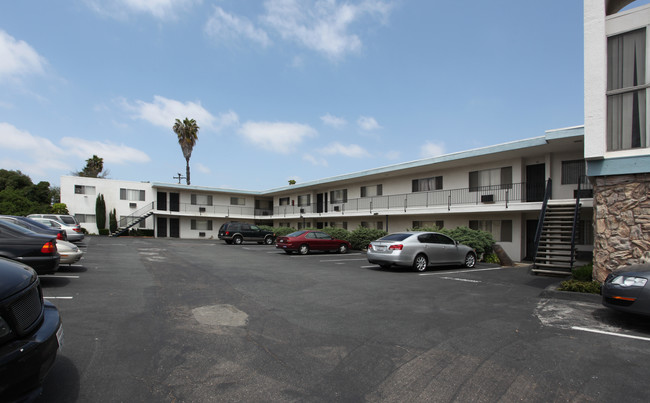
[
  {"x": 133, "y": 219},
  {"x": 556, "y": 246}
]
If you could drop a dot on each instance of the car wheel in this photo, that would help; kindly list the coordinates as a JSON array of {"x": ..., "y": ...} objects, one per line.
[
  {"x": 268, "y": 240},
  {"x": 304, "y": 249},
  {"x": 470, "y": 260},
  {"x": 343, "y": 248},
  {"x": 420, "y": 263},
  {"x": 237, "y": 240}
]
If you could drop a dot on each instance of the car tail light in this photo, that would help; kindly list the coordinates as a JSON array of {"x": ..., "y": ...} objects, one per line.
[
  {"x": 369, "y": 246},
  {"x": 76, "y": 229},
  {"x": 227, "y": 232},
  {"x": 396, "y": 247},
  {"x": 48, "y": 248},
  {"x": 59, "y": 236}
]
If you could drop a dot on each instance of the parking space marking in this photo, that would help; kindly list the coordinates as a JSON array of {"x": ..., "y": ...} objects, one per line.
[
  {"x": 461, "y": 279},
  {"x": 629, "y": 336},
  {"x": 58, "y": 297},
  {"x": 59, "y": 276},
  {"x": 465, "y": 271},
  {"x": 339, "y": 260}
]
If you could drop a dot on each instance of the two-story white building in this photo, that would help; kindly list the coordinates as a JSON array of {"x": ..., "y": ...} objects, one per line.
[
  {"x": 617, "y": 130},
  {"x": 499, "y": 189}
]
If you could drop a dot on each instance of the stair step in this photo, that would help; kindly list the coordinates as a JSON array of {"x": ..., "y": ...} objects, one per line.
[{"x": 553, "y": 266}]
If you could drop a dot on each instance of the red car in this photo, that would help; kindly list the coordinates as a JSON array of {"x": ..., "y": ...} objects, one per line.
[{"x": 308, "y": 240}]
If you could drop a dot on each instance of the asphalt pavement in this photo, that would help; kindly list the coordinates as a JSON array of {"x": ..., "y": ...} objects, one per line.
[{"x": 174, "y": 320}]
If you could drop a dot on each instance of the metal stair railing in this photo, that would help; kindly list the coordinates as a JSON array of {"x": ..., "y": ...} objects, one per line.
[
  {"x": 132, "y": 219},
  {"x": 542, "y": 215}
]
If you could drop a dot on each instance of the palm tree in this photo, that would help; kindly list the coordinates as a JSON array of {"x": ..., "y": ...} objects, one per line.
[{"x": 187, "y": 132}]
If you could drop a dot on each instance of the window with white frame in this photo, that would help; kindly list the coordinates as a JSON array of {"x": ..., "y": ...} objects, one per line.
[
  {"x": 339, "y": 196},
  {"x": 428, "y": 224},
  {"x": 85, "y": 218},
  {"x": 283, "y": 201},
  {"x": 237, "y": 201},
  {"x": 427, "y": 184},
  {"x": 372, "y": 224},
  {"x": 304, "y": 200},
  {"x": 201, "y": 200},
  {"x": 627, "y": 109},
  {"x": 201, "y": 225},
  {"x": 84, "y": 190},
  {"x": 131, "y": 194},
  {"x": 501, "y": 230},
  {"x": 371, "y": 191},
  {"x": 572, "y": 171},
  {"x": 488, "y": 179}
]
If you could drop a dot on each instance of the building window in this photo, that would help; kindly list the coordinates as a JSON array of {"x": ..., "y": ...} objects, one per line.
[
  {"x": 428, "y": 224},
  {"x": 283, "y": 201},
  {"x": 339, "y": 196},
  {"x": 201, "y": 200},
  {"x": 489, "y": 179},
  {"x": 501, "y": 230},
  {"x": 304, "y": 200},
  {"x": 341, "y": 224},
  {"x": 572, "y": 171},
  {"x": 84, "y": 190},
  {"x": 237, "y": 201},
  {"x": 201, "y": 225},
  {"x": 85, "y": 218},
  {"x": 427, "y": 184},
  {"x": 131, "y": 194},
  {"x": 370, "y": 191},
  {"x": 626, "y": 91}
]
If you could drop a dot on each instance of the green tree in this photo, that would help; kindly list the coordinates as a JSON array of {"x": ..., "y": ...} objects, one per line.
[
  {"x": 59, "y": 208},
  {"x": 112, "y": 220},
  {"x": 93, "y": 169},
  {"x": 187, "y": 132},
  {"x": 100, "y": 212},
  {"x": 19, "y": 195}
]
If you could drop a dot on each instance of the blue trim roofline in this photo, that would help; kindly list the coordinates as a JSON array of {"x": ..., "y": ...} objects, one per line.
[
  {"x": 619, "y": 166},
  {"x": 550, "y": 135}
]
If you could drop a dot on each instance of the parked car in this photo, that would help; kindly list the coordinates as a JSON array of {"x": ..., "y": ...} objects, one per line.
[
  {"x": 62, "y": 218},
  {"x": 625, "y": 289},
  {"x": 308, "y": 240},
  {"x": 69, "y": 252},
  {"x": 35, "y": 250},
  {"x": 30, "y": 333},
  {"x": 73, "y": 233},
  {"x": 238, "y": 232},
  {"x": 35, "y": 226},
  {"x": 419, "y": 249}
]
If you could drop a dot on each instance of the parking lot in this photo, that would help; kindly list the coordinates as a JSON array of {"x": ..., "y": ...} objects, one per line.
[{"x": 172, "y": 320}]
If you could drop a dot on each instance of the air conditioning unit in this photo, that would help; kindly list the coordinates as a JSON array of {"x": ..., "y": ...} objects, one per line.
[
  {"x": 202, "y": 234},
  {"x": 201, "y": 209},
  {"x": 133, "y": 205},
  {"x": 302, "y": 211},
  {"x": 337, "y": 208},
  {"x": 487, "y": 198}
]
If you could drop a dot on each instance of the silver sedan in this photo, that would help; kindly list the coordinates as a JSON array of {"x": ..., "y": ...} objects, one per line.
[{"x": 419, "y": 250}]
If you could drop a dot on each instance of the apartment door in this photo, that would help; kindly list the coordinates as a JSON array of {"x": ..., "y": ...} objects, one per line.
[
  {"x": 161, "y": 227},
  {"x": 162, "y": 201},
  {"x": 321, "y": 203},
  {"x": 535, "y": 182},
  {"x": 174, "y": 202},
  {"x": 174, "y": 228},
  {"x": 531, "y": 229}
]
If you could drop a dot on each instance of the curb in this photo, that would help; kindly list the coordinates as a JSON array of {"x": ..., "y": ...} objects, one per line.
[{"x": 553, "y": 292}]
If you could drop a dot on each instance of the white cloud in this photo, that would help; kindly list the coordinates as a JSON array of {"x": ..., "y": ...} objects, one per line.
[
  {"x": 368, "y": 123},
  {"x": 430, "y": 149},
  {"x": 279, "y": 137},
  {"x": 226, "y": 27},
  {"x": 334, "y": 121},
  {"x": 163, "y": 112},
  {"x": 322, "y": 25},
  {"x": 18, "y": 58},
  {"x": 314, "y": 161},
  {"x": 160, "y": 9},
  {"x": 351, "y": 150},
  {"x": 111, "y": 153},
  {"x": 201, "y": 168}
]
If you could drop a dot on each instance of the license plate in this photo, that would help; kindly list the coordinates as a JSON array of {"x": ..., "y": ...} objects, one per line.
[
  {"x": 380, "y": 248},
  {"x": 59, "y": 336}
]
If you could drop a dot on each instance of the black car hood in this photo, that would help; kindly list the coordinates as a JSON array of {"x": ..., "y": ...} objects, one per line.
[
  {"x": 14, "y": 277},
  {"x": 635, "y": 268}
]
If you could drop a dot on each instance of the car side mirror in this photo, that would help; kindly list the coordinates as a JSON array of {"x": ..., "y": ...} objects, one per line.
[{"x": 457, "y": 243}]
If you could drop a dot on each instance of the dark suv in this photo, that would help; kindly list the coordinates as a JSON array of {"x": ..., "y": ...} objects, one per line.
[
  {"x": 30, "y": 332},
  {"x": 238, "y": 232}
]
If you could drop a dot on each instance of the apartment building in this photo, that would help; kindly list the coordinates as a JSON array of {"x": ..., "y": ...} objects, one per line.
[
  {"x": 617, "y": 130},
  {"x": 499, "y": 189}
]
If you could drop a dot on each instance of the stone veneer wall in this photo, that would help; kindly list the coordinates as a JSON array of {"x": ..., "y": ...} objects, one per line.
[{"x": 621, "y": 222}]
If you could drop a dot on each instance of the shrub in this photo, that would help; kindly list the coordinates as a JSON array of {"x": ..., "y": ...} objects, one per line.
[
  {"x": 278, "y": 231},
  {"x": 583, "y": 273},
  {"x": 590, "y": 287},
  {"x": 338, "y": 233},
  {"x": 491, "y": 258},
  {"x": 361, "y": 237},
  {"x": 103, "y": 231}
]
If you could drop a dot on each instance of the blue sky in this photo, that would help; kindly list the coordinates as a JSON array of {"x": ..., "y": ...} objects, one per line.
[{"x": 281, "y": 89}]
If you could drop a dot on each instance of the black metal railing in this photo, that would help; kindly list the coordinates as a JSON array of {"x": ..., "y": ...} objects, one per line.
[{"x": 542, "y": 215}]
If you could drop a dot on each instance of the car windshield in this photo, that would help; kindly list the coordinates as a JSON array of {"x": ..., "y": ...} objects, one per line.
[
  {"x": 68, "y": 220},
  {"x": 395, "y": 237},
  {"x": 295, "y": 234},
  {"x": 36, "y": 223}
]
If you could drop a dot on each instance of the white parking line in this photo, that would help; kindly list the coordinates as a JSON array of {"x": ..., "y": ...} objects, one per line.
[
  {"x": 339, "y": 260},
  {"x": 585, "y": 329},
  {"x": 59, "y": 276},
  {"x": 58, "y": 297},
  {"x": 461, "y": 279},
  {"x": 463, "y": 271}
]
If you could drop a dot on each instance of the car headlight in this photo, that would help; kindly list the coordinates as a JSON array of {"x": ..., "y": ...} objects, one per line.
[
  {"x": 629, "y": 281},
  {"x": 4, "y": 328}
]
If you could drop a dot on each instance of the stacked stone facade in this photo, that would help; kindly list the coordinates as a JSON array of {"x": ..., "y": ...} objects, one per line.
[{"x": 621, "y": 222}]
